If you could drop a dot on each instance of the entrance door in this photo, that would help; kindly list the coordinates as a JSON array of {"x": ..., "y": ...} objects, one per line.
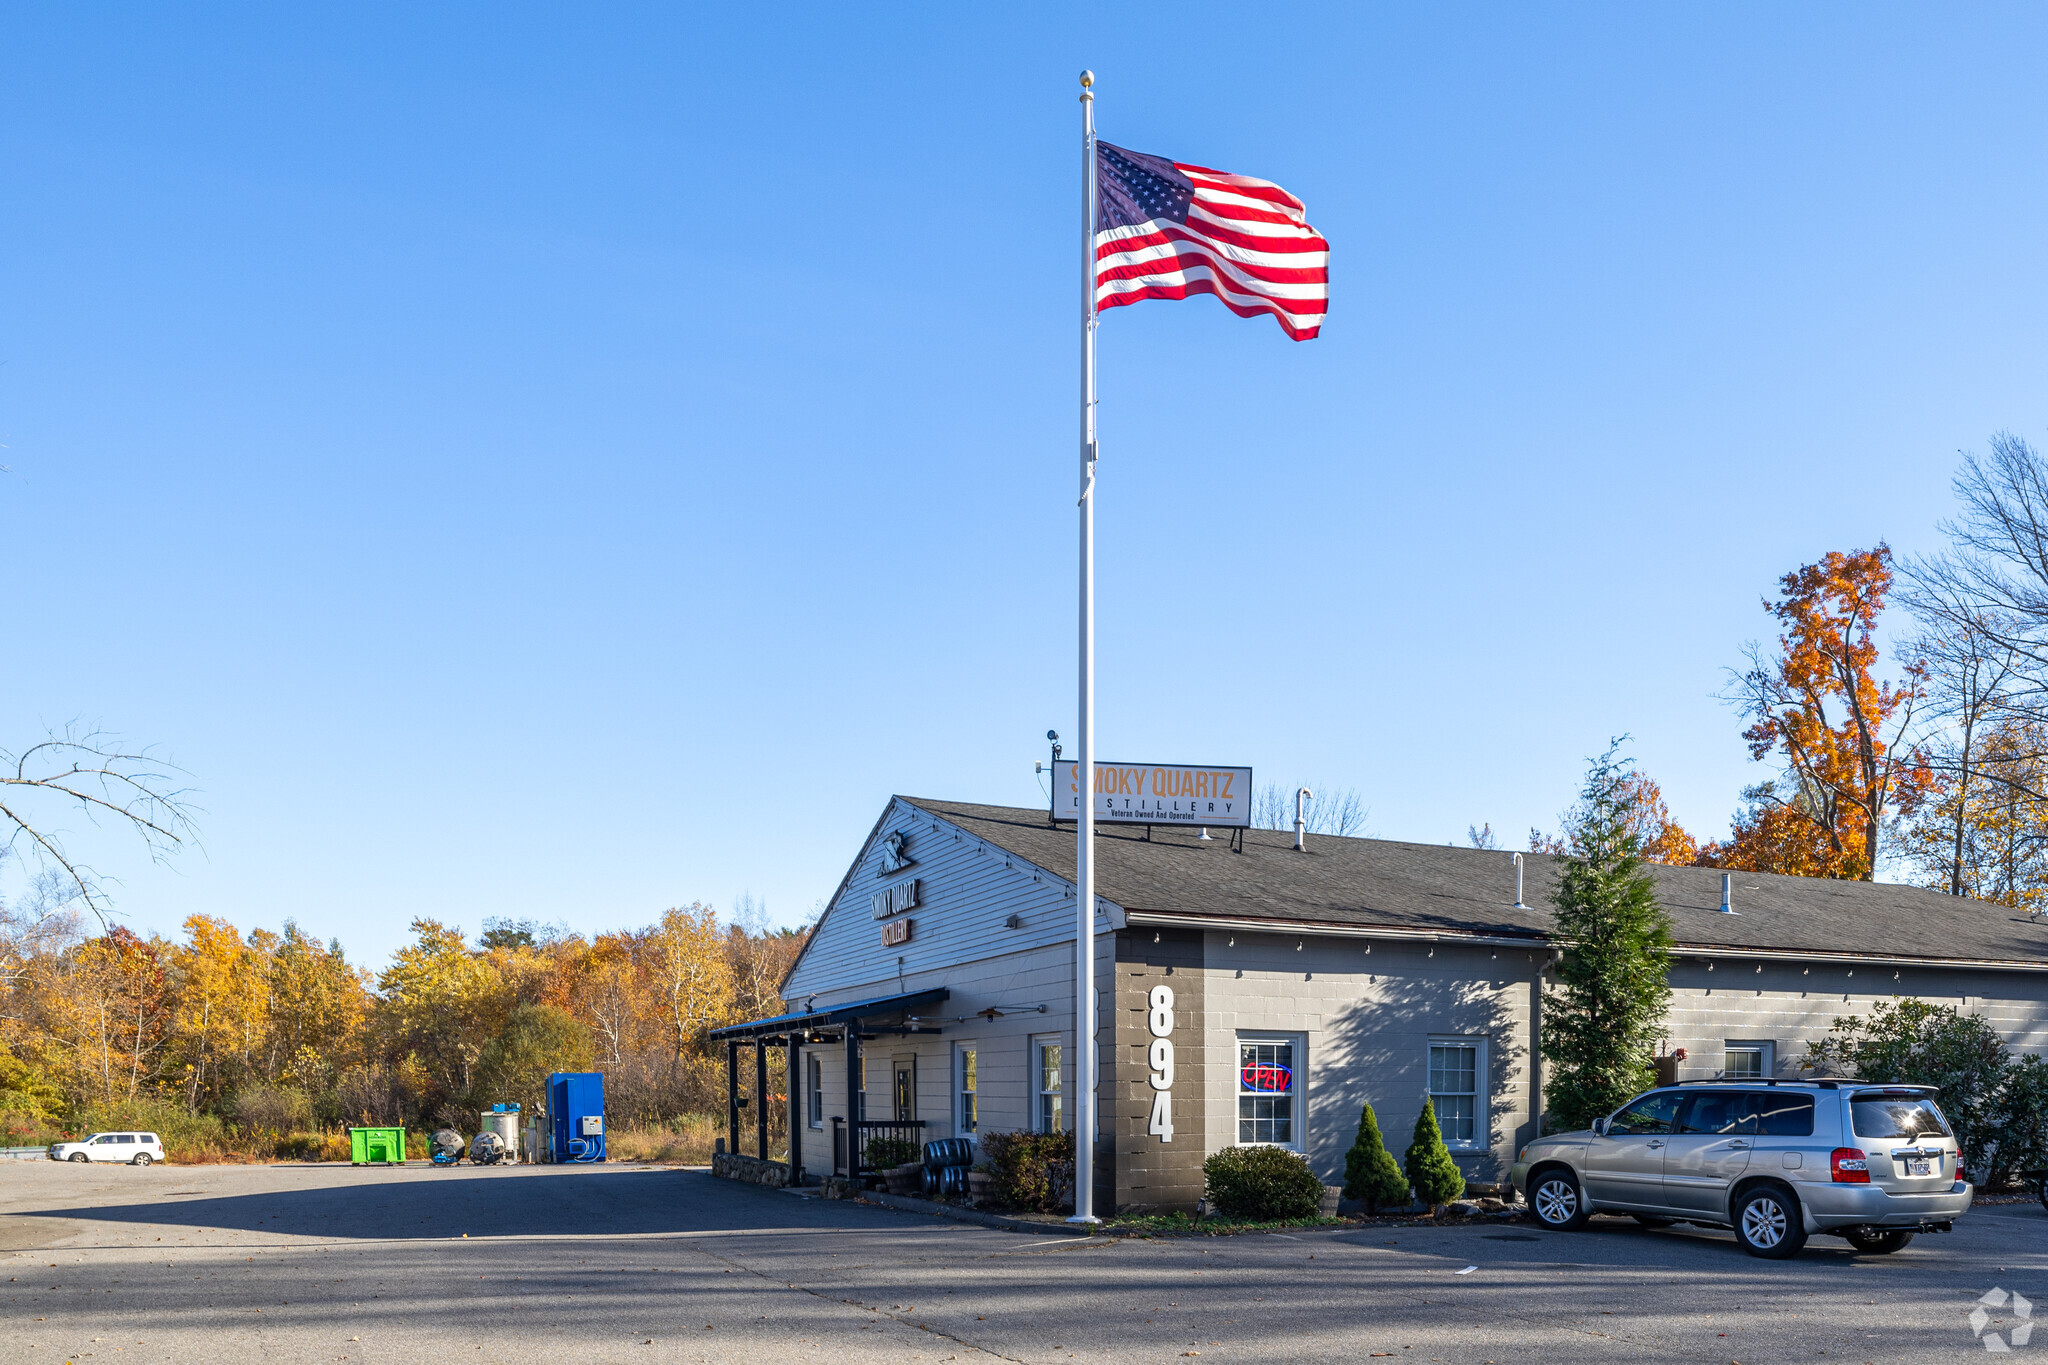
[
  {"x": 906, "y": 1089},
  {"x": 1708, "y": 1150},
  {"x": 1625, "y": 1166}
]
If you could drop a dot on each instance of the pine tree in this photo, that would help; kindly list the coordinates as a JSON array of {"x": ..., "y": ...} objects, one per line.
[
  {"x": 1602, "y": 1022},
  {"x": 1371, "y": 1171},
  {"x": 1371, "y": 1175},
  {"x": 1431, "y": 1171}
]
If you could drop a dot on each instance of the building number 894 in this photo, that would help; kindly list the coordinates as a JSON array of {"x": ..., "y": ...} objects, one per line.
[{"x": 1159, "y": 1022}]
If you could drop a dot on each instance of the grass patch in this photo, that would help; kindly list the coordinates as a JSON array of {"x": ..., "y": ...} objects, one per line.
[{"x": 685, "y": 1141}]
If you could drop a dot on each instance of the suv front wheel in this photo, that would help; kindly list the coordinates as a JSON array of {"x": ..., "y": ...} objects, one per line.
[
  {"x": 1555, "y": 1199},
  {"x": 1767, "y": 1223}
]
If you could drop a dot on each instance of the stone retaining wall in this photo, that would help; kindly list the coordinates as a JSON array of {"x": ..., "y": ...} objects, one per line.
[{"x": 750, "y": 1169}]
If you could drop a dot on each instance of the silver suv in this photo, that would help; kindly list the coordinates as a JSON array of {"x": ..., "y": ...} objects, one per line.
[{"x": 1775, "y": 1160}]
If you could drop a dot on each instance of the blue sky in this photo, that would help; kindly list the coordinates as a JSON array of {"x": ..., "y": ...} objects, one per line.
[{"x": 535, "y": 463}]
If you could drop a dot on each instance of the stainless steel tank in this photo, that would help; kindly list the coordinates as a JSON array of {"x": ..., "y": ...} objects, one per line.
[{"x": 506, "y": 1126}]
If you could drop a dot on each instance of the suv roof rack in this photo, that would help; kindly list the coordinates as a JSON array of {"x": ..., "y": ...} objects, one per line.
[{"x": 1821, "y": 1082}]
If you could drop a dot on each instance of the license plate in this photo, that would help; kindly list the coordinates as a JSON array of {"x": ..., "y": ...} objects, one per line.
[{"x": 1919, "y": 1165}]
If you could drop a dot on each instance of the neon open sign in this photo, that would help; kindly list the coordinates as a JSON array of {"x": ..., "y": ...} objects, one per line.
[{"x": 1269, "y": 1078}]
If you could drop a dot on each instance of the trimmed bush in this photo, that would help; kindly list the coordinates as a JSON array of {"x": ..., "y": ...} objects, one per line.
[
  {"x": 1023, "y": 1165},
  {"x": 1431, "y": 1171},
  {"x": 1261, "y": 1184},
  {"x": 1371, "y": 1175}
]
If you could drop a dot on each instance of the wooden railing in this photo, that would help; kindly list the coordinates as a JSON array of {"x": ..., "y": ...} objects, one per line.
[{"x": 852, "y": 1159}]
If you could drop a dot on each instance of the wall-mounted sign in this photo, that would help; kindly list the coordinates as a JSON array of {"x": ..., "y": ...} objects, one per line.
[
  {"x": 896, "y": 931},
  {"x": 1157, "y": 794},
  {"x": 894, "y": 900},
  {"x": 895, "y": 854},
  {"x": 1159, "y": 1023}
]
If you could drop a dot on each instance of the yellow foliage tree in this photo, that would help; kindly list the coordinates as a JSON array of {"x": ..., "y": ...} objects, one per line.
[
  {"x": 692, "y": 975},
  {"x": 443, "y": 1003},
  {"x": 318, "y": 1005},
  {"x": 223, "y": 1007},
  {"x": 106, "y": 1012}
]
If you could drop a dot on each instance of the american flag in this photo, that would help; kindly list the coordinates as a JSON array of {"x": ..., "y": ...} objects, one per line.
[{"x": 1165, "y": 230}]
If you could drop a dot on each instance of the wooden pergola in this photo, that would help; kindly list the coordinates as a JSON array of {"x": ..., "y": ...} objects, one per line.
[{"x": 849, "y": 1025}]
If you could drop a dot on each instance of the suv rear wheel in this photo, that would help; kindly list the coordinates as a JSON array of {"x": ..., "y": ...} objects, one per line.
[
  {"x": 1767, "y": 1222},
  {"x": 1555, "y": 1199},
  {"x": 1879, "y": 1241},
  {"x": 141, "y": 1159}
]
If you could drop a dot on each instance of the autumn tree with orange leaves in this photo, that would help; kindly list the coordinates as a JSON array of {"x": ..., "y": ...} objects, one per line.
[
  {"x": 1647, "y": 819},
  {"x": 1845, "y": 737}
]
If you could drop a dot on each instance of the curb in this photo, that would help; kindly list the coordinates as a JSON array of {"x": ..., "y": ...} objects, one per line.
[{"x": 906, "y": 1204}]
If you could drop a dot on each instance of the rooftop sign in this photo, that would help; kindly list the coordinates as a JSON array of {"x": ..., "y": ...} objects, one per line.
[{"x": 1157, "y": 794}]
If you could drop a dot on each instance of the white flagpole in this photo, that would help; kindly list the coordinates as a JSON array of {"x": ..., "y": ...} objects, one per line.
[{"x": 1084, "y": 860}]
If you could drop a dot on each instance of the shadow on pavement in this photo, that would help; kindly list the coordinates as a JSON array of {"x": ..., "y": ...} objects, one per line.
[{"x": 543, "y": 1201}]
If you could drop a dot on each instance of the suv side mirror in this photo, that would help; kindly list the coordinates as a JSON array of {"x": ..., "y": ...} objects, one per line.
[{"x": 1600, "y": 1127}]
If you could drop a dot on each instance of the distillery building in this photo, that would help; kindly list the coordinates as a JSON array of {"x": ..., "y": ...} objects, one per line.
[{"x": 1288, "y": 987}]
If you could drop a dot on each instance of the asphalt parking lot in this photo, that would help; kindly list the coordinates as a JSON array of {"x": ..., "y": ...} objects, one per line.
[{"x": 330, "y": 1263}]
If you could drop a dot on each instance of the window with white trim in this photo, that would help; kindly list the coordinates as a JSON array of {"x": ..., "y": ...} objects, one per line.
[
  {"x": 1269, "y": 1090},
  {"x": 1745, "y": 1059},
  {"x": 814, "y": 1077},
  {"x": 968, "y": 1082},
  {"x": 1456, "y": 1068},
  {"x": 1050, "y": 1114}
]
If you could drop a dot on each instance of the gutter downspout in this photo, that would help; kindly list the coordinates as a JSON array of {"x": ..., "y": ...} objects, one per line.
[{"x": 1536, "y": 1109}]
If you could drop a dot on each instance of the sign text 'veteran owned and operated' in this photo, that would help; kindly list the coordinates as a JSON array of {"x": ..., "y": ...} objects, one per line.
[{"x": 1157, "y": 794}]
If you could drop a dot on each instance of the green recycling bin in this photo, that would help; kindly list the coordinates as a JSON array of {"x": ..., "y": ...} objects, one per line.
[{"x": 376, "y": 1146}]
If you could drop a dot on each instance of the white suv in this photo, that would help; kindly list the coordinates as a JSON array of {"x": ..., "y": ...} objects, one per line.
[{"x": 135, "y": 1149}]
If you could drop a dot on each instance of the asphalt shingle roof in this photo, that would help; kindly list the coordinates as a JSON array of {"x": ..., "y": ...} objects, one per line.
[{"x": 1430, "y": 887}]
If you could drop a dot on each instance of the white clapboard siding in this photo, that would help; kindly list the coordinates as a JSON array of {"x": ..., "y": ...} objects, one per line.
[
  {"x": 1012, "y": 983},
  {"x": 967, "y": 889}
]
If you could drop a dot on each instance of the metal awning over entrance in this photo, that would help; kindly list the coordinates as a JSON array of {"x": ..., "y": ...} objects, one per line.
[
  {"x": 832, "y": 1017},
  {"x": 849, "y": 1023}
]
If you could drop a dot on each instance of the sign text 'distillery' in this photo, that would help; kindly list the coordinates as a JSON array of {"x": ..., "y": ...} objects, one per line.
[{"x": 1157, "y": 794}]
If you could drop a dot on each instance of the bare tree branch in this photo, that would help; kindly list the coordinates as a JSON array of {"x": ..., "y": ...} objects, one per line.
[
  {"x": 90, "y": 771},
  {"x": 1340, "y": 811}
]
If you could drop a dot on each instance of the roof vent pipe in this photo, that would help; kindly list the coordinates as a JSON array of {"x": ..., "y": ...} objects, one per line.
[
  {"x": 1518, "y": 883},
  {"x": 1300, "y": 819},
  {"x": 1727, "y": 893}
]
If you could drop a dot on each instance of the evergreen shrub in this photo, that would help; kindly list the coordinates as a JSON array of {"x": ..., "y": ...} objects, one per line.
[
  {"x": 1371, "y": 1175},
  {"x": 1261, "y": 1184},
  {"x": 1023, "y": 1165},
  {"x": 1431, "y": 1171}
]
